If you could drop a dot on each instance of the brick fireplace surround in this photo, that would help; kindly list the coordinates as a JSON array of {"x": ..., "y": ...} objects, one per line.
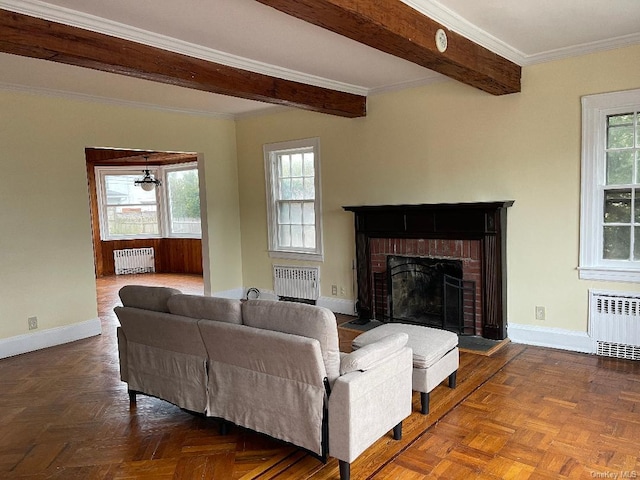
[
  {"x": 468, "y": 251},
  {"x": 474, "y": 233}
]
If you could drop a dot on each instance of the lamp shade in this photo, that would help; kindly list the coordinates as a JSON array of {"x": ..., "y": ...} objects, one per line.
[{"x": 148, "y": 186}]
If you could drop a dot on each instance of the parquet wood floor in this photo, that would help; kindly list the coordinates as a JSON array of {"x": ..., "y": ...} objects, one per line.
[{"x": 524, "y": 412}]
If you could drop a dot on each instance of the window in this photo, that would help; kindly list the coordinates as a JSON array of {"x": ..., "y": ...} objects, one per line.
[
  {"x": 610, "y": 203},
  {"x": 127, "y": 211},
  {"x": 184, "y": 201},
  {"x": 293, "y": 199}
]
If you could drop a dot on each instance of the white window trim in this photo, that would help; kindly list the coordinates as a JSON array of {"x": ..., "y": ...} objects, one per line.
[
  {"x": 269, "y": 165},
  {"x": 595, "y": 109},
  {"x": 157, "y": 171}
]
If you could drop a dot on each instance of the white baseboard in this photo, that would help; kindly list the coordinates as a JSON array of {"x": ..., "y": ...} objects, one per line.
[
  {"x": 336, "y": 305},
  {"x": 235, "y": 294},
  {"x": 550, "y": 337},
  {"x": 51, "y": 337}
]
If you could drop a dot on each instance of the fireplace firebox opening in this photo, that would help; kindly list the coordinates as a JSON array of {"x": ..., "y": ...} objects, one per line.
[{"x": 427, "y": 291}]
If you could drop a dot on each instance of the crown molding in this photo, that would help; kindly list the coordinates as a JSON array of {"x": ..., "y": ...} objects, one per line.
[
  {"x": 409, "y": 84},
  {"x": 36, "y": 8},
  {"x": 584, "y": 49},
  {"x": 458, "y": 24},
  {"x": 10, "y": 87}
]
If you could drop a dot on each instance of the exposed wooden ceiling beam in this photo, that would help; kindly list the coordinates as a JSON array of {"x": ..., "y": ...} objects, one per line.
[
  {"x": 116, "y": 156},
  {"x": 395, "y": 28},
  {"x": 34, "y": 37}
]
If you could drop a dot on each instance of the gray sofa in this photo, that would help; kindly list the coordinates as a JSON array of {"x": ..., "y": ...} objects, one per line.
[{"x": 273, "y": 367}]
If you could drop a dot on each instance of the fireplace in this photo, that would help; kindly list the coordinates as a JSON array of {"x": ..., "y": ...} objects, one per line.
[{"x": 455, "y": 251}]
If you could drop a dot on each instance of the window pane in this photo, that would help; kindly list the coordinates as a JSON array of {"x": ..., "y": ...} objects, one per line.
[
  {"x": 283, "y": 213},
  {"x": 617, "y": 206},
  {"x": 285, "y": 166},
  {"x": 285, "y": 189},
  {"x": 620, "y": 167},
  {"x": 296, "y": 213},
  {"x": 184, "y": 202},
  {"x": 309, "y": 188},
  {"x": 636, "y": 245},
  {"x": 310, "y": 236},
  {"x": 296, "y": 236},
  {"x": 121, "y": 190},
  {"x": 308, "y": 165},
  {"x": 297, "y": 188},
  {"x": 308, "y": 213},
  {"x": 617, "y": 242},
  {"x": 132, "y": 220},
  {"x": 284, "y": 235},
  {"x": 296, "y": 165},
  {"x": 620, "y": 131}
]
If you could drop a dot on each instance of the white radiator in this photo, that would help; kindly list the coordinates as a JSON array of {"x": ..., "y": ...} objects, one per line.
[
  {"x": 296, "y": 282},
  {"x": 614, "y": 324},
  {"x": 134, "y": 260}
]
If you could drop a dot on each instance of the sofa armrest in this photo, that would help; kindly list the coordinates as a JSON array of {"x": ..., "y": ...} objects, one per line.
[
  {"x": 365, "y": 405},
  {"x": 368, "y": 356}
]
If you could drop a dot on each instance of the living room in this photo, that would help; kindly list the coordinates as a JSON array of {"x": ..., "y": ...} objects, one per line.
[
  {"x": 443, "y": 142},
  {"x": 524, "y": 147}
]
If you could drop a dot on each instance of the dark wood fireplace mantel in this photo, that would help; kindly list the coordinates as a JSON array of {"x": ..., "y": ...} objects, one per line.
[{"x": 482, "y": 221}]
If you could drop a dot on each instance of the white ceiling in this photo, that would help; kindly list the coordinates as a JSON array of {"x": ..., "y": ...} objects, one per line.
[{"x": 249, "y": 35}]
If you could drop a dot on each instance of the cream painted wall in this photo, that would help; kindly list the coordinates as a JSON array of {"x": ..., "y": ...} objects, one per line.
[
  {"x": 46, "y": 259},
  {"x": 447, "y": 142}
]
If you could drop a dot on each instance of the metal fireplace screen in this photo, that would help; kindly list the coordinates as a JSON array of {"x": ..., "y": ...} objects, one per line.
[{"x": 427, "y": 291}]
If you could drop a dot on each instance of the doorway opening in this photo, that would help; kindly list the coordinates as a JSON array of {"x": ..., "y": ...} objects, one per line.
[{"x": 163, "y": 218}]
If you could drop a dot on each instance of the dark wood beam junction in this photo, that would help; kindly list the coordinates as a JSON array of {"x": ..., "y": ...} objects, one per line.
[
  {"x": 37, "y": 38},
  {"x": 395, "y": 28}
]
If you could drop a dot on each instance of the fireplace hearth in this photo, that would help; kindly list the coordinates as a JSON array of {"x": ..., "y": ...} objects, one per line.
[{"x": 403, "y": 241}]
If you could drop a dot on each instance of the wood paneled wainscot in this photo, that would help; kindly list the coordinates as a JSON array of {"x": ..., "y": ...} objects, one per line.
[{"x": 173, "y": 255}]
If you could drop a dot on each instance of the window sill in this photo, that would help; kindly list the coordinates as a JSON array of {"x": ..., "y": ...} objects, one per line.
[
  {"x": 312, "y": 257},
  {"x": 609, "y": 274}
]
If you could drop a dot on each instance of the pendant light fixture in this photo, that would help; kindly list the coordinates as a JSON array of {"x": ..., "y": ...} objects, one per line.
[{"x": 147, "y": 182}]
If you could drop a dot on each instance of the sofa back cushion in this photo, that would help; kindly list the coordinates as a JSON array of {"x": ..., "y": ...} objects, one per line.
[
  {"x": 207, "y": 308},
  {"x": 146, "y": 297},
  {"x": 298, "y": 319}
]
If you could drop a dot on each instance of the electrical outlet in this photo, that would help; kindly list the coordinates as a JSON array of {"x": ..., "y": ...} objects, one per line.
[
  {"x": 33, "y": 323},
  {"x": 342, "y": 292},
  {"x": 334, "y": 290},
  {"x": 541, "y": 313}
]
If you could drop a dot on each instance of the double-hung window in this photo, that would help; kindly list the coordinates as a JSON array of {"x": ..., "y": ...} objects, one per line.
[
  {"x": 126, "y": 211},
  {"x": 293, "y": 199},
  {"x": 610, "y": 203}
]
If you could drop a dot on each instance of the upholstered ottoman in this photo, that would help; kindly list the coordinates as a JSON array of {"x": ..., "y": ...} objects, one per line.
[{"x": 435, "y": 355}]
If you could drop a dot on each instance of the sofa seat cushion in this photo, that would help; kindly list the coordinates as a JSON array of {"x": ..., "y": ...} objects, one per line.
[
  {"x": 147, "y": 298},
  {"x": 428, "y": 344},
  {"x": 207, "y": 308},
  {"x": 298, "y": 319}
]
